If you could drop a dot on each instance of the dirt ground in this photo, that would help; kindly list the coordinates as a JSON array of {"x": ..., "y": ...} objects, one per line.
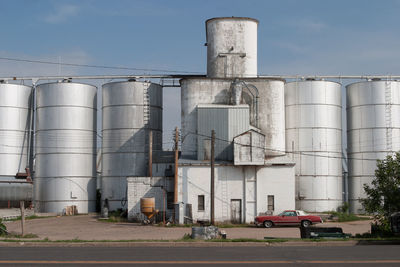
[{"x": 88, "y": 227}]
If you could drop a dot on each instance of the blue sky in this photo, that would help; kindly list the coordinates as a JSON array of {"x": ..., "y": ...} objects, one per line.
[{"x": 294, "y": 37}]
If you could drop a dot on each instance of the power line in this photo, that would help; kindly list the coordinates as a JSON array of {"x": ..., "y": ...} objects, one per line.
[
  {"x": 311, "y": 154},
  {"x": 93, "y": 66}
]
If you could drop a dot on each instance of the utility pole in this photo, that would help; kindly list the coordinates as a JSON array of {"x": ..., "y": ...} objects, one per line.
[
  {"x": 176, "y": 204},
  {"x": 212, "y": 176},
  {"x": 22, "y": 207},
  {"x": 150, "y": 153},
  {"x": 176, "y": 166}
]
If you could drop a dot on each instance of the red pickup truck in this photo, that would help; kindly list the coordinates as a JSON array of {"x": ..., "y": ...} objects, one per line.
[{"x": 288, "y": 217}]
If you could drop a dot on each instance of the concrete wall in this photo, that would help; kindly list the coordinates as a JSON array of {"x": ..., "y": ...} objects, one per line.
[
  {"x": 279, "y": 181},
  {"x": 271, "y": 113},
  {"x": 251, "y": 185},
  {"x": 144, "y": 187}
]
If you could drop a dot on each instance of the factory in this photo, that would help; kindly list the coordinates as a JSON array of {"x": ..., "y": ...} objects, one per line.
[{"x": 247, "y": 144}]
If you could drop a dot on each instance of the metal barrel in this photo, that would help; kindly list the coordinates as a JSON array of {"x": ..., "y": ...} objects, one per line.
[{"x": 147, "y": 205}]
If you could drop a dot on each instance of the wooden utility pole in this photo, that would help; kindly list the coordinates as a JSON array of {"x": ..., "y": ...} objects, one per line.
[
  {"x": 150, "y": 153},
  {"x": 212, "y": 195},
  {"x": 176, "y": 166},
  {"x": 22, "y": 207}
]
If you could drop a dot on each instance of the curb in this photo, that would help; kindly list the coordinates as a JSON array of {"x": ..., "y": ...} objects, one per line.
[{"x": 181, "y": 244}]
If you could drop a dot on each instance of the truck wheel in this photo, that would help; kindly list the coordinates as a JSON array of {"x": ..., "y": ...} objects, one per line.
[
  {"x": 305, "y": 223},
  {"x": 268, "y": 224}
]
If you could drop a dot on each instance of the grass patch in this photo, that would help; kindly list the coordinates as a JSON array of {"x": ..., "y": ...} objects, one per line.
[
  {"x": 235, "y": 240},
  {"x": 113, "y": 219},
  {"x": 116, "y": 216},
  {"x": 32, "y": 217},
  {"x": 348, "y": 217},
  {"x": 14, "y": 235},
  {"x": 228, "y": 225}
]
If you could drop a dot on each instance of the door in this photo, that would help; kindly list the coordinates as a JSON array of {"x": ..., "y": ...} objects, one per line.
[{"x": 236, "y": 210}]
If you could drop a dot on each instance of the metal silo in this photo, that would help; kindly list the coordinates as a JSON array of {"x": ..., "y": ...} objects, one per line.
[
  {"x": 314, "y": 141},
  {"x": 231, "y": 47},
  {"x": 15, "y": 123},
  {"x": 373, "y": 131},
  {"x": 264, "y": 96},
  {"x": 130, "y": 110},
  {"x": 65, "y": 172}
]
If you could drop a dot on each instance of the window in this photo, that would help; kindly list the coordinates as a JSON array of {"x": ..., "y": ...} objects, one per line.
[
  {"x": 289, "y": 213},
  {"x": 271, "y": 203},
  {"x": 200, "y": 202}
]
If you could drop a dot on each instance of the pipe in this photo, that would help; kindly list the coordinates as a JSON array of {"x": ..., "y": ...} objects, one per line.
[
  {"x": 178, "y": 76},
  {"x": 100, "y": 77}
]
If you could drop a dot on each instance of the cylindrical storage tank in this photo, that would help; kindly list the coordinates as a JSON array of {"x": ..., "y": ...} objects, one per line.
[
  {"x": 231, "y": 47},
  {"x": 314, "y": 141},
  {"x": 65, "y": 167},
  {"x": 373, "y": 132},
  {"x": 271, "y": 116},
  {"x": 130, "y": 111},
  {"x": 147, "y": 205},
  {"x": 15, "y": 123}
]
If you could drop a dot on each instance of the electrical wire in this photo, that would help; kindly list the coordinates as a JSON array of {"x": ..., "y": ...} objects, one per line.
[
  {"x": 301, "y": 153},
  {"x": 94, "y": 66}
]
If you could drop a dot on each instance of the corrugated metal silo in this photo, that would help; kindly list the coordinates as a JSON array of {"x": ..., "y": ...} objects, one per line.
[
  {"x": 373, "y": 131},
  {"x": 15, "y": 123},
  {"x": 65, "y": 172},
  {"x": 130, "y": 110},
  {"x": 314, "y": 141},
  {"x": 231, "y": 47}
]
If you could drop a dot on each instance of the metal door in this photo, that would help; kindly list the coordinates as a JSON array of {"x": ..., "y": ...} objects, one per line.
[{"x": 236, "y": 210}]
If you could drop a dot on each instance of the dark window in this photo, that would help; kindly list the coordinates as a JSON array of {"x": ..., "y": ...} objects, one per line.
[
  {"x": 170, "y": 200},
  {"x": 271, "y": 203},
  {"x": 290, "y": 213},
  {"x": 200, "y": 202}
]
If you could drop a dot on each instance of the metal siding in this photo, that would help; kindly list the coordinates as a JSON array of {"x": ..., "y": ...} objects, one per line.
[
  {"x": 65, "y": 172},
  {"x": 14, "y": 128},
  {"x": 313, "y": 139},
  {"x": 227, "y": 121},
  {"x": 125, "y": 134},
  {"x": 373, "y": 131}
]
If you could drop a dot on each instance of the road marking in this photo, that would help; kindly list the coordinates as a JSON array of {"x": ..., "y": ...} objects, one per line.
[{"x": 199, "y": 262}]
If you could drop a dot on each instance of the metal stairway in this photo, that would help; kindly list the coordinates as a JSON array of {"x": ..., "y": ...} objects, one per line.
[
  {"x": 146, "y": 106},
  {"x": 388, "y": 115}
]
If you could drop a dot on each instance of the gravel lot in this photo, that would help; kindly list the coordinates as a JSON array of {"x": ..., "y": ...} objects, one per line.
[{"x": 87, "y": 227}]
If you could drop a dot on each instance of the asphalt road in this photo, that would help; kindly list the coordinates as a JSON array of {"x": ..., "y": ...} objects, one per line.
[{"x": 368, "y": 255}]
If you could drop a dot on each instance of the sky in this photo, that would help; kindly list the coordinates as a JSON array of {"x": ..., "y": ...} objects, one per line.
[{"x": 306, "y": 37}]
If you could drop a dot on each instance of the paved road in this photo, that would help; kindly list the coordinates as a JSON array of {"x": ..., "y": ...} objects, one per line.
[{"x": 368, "y": 255}]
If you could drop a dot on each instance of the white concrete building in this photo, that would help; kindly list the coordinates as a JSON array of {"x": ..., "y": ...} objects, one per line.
[{"x": 241, "y": 192}]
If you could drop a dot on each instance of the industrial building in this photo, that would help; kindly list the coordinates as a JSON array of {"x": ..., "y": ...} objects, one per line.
[{"x": 247, "y": 144}]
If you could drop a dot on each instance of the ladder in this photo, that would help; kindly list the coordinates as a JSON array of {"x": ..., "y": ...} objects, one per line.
[
  {"x": 146, "y": 106},
  {"x": 225, "y": 200},
  {"x": 388, "y": 115}
]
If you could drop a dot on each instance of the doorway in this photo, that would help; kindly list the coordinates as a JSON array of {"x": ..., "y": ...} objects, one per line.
[{"x": 236, "y": 210}]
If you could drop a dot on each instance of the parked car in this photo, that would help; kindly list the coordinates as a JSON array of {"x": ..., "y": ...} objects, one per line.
[{"x": 288, "y": 217}]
